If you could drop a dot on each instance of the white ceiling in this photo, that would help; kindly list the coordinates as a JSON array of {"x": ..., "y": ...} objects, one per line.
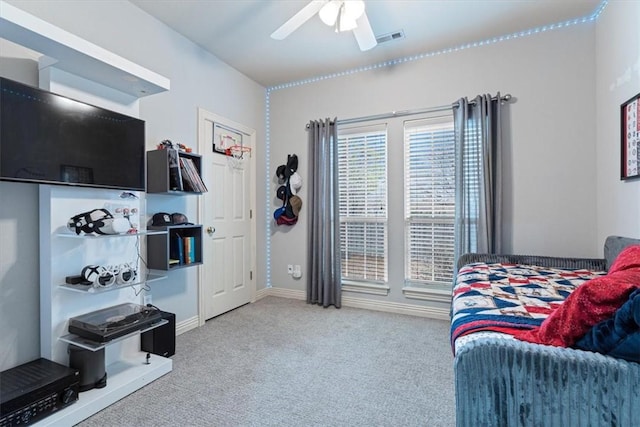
[{"x": 238, "y": 31}]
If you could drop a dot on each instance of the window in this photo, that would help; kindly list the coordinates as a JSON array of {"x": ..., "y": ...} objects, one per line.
[
  {"x": 429, "y": 211},
  {"x": 362, "y": 169}
]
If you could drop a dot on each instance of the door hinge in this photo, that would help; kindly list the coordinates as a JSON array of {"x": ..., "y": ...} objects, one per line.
[
  {"x": 250, "y": 275},
  {"x": 250, "y": 213}
]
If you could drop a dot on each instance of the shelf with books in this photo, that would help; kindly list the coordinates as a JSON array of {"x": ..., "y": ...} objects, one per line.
[
  {"x": 180, "y": 247},
  {"x": 174, "y": 172}
]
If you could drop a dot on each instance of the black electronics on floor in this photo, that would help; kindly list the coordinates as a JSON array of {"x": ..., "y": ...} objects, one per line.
[
  {"x": 91, "y": 366},
  {"x": 35, "y": 390},
  {"x": 161, "y": 340}
]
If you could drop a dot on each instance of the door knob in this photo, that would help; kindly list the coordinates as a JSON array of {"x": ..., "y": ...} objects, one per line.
[{"x": 211, "y": 230}]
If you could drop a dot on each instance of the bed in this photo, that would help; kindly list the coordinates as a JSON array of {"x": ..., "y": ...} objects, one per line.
[{"x": 501, "y": 380}]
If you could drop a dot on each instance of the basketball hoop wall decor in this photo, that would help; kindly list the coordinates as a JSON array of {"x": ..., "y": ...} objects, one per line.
[
  {"x": 237, "y": 156},
  {"x": 229, "y": 142},
  {"x": 225, "y": 138}
]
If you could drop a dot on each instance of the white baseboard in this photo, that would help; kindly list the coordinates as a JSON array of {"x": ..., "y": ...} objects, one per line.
[
  {"x": 397, "y": 307},
  {"x": 261, "y": 293},
  {"x": 288, "y": 293},
  {"x": 186, "y": 325},
  {"x": 368, "y": 304}
]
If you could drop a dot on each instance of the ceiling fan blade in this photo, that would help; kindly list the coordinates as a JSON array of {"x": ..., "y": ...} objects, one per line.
[
  {"x": 364, "y": 34},
  {"x": 298, "y": 19}
]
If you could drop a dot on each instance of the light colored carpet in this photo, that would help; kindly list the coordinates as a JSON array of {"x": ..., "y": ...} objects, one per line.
[{"x": 282, "y": 362}]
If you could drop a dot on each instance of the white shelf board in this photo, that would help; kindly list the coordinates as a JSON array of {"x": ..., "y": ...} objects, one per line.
[
  {"x": 123, "y": 378},
  {"x": 90, "y": 345},
  {"x": 90, "y": 289},
  {"x": 75, "y": 55},
  {"x": 70, "y": 234}
]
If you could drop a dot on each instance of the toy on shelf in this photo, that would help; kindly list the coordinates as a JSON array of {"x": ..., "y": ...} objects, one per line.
[{"x": 168, "y": 144}]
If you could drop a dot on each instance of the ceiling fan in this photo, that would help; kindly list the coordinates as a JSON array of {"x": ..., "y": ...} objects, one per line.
[{"x": 344, "y": 15}]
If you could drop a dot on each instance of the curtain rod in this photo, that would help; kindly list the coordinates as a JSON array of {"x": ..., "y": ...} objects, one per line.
[{"x": 403, "y": 113}]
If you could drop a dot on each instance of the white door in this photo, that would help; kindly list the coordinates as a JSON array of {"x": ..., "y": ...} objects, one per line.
[{"x": 228, "y": 226}]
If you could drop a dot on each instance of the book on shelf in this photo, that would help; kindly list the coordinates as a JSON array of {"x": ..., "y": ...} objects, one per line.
[
  {"x": 176, "y": 250},
  {"x": 193, "y": 175},
  {"x": 187, "y": 179},
  {"x": 175, "y": 175},
  {"x": 189, "y": 250}
]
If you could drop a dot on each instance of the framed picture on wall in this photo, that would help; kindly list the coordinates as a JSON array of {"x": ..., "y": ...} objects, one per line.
[{"x": 630, "y": 135}]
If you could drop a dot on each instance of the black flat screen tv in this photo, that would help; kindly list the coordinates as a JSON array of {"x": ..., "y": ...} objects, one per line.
[{"x": 52, "y": 139}]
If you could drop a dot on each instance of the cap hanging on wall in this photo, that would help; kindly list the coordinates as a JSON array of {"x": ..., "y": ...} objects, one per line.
[
  {"x": 295, "y": 182},
  {"x": 292, "y": 165}
]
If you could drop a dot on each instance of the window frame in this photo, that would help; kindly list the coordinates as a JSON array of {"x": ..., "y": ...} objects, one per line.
[
  {"x": 377, "y": 286},
  {"x": 413, "y": 286}
]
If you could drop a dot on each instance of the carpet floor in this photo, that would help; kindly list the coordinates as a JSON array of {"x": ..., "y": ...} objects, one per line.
[{"x": 282, "y": 362}]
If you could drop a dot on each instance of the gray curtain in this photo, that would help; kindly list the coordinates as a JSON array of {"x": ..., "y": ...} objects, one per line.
[
  {"x": 478, "y": 136},
  {"x": 324, "y": 278}
]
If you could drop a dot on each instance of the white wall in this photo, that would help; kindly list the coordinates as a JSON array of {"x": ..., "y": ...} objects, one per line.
[
  {"x": 198, "y": 79},
  {"x": 618, "y": 79},
  {"x": 550, "y": 204}
]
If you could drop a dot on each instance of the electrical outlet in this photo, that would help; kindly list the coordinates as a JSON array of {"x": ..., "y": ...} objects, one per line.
[
  {"x": 147, "y": 299},
  {"x": 290, "y": 269},
  {"x": 297, "y": 272}
]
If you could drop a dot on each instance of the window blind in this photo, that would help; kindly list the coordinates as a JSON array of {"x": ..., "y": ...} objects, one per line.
[
  {"x": 362, "y": 169},
  {"x": 429, "y": 176}
]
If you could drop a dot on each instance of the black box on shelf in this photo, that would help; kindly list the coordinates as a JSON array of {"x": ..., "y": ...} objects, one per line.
[{"x": 161, "y": 340}]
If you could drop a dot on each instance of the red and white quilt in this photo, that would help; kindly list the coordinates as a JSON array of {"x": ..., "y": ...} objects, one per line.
[{"x": 509, "y": 298}]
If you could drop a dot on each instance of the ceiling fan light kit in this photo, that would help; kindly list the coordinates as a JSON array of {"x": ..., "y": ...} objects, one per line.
[
  {"x": 329, "y": 13},
  {"x": 342, "y": 14},
  {"x": 345, "y": 15}
]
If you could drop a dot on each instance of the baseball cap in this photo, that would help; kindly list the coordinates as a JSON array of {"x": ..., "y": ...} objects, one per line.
[
  {"x": 161, "y": 218},
  {"x": 179, "y": 219},
  {"x": 285, "y": 220},
  {"x": 295, "y": 182},
  {"x": 296, "y": 205},
  {"x": 282, "y": 192},
  {"x": 278, "y": 213},
  {"x": 292, "y": 164}
]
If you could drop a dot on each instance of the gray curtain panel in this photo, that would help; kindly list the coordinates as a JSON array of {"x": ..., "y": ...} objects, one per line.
[
  {"x": 324, "y": 278},
  {"x": 478, "y": 136}
]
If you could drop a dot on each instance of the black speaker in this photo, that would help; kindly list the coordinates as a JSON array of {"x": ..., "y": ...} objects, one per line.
[
  {"x": 161, "y": 340},
  {"x": 91, "y": 367}
]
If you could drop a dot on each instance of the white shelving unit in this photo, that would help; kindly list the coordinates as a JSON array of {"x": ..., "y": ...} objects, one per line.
[
  {"x": 60, "y": 256},
  {"x": 63, "y": 253}
]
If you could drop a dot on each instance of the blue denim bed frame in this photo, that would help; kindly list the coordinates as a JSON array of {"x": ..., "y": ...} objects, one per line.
[{"x": 510, "y": 383}]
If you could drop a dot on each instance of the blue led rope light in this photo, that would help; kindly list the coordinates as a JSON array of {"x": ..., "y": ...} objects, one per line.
[
  {"x": 470, "y": 45},
  {"x": 590, "y": 18},
  {"x": 267, "y": 155}
]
